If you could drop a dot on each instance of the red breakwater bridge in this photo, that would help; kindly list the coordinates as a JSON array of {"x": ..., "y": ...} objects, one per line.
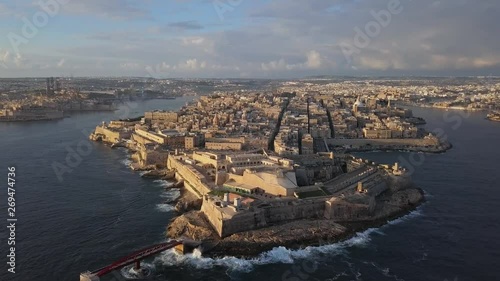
[{"x": 134, "y": 258}]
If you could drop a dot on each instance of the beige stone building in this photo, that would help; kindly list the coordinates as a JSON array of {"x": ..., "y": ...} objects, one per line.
[
  {"x": 153, "y": 117},
  {"x": 278, "y": 182},
  {"x": 225, "y": 143}
]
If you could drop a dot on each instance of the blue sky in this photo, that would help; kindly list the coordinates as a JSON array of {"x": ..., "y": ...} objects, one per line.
[{"x": 248, "y": 38}]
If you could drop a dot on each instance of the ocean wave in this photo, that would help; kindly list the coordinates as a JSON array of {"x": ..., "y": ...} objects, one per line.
[
  {"x": 196, "y": 260},
  {"x": 164, "y": 183},
  {"x": 129, "y": 273},
  {"x": 278, "y": 255},
  {"x": 127, "y": 162},
  {"x": 165, "y": 208},
  {"x": 171, "y": 195},
  {"x": 416, "y": 213}
]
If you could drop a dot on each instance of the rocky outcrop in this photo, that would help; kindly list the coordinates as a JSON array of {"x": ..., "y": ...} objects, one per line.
[
  {"x": 407, "y": 197},
  {"x": 163, "y": 174},
  {"x": 191, "y": 225},
  {"x": 194, "y": 225},
  {"x": 394, "y": 204},
  {"x": 187, "y": 202},
  {"x": 295, "y": 234}
]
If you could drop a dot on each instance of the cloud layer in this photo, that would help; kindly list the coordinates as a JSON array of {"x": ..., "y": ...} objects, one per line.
[{"x": 280, "y": 38}]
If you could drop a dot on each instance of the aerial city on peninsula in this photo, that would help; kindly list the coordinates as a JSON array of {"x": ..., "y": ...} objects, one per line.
[
  {"x": 250, "y": 140},
  {"x": 265, "y": 163}
]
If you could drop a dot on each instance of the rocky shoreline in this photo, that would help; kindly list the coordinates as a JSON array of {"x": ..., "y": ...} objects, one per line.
[{"x": 295, "y": 234}]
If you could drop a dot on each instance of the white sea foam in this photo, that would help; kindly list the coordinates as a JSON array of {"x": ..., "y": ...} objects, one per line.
[
  {"x": 164, "y": 183},
  {"x": 416, "y": 213},
  {"x": 165, "y": 208},
  {"x": 196, "y": 260},
  {"x": 129, "y": 273},
  {"x": 126, "y": 162},
  {"x": 171, "y": 195},
  {"x": 278, "y": 255}
]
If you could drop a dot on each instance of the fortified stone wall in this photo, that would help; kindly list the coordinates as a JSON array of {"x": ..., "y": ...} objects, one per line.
[
  {"x": 213, "y": 215},
  {"x": 190, "y": 175},
  {"x": 108, "y": 135},
  {"x": 339, "y": 210},
  {"x": 153, "y": 157},
  {"x": 140, "y": 140},
  {"x": 223, "y": 145},
  {"x": 256, "y": 218},
  {"x": 153, "y": 137},
  {"x": 295, "y": 210},
  {"x": 243, "y": 221},
  {"x": 205, "y": 158}
]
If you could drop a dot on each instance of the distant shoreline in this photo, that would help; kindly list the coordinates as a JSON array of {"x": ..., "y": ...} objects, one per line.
[{"x": 443, "y": 107}]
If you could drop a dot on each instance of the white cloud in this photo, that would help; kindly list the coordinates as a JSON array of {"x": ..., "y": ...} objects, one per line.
[
  {"x": 274, "y": 65},
  {"x": 193, "y": 65},
  {"x": 20, "y": 61},
  {"x": 188, "y": 41},
  {"x": 4, "y": 56},
  {"x": 313, "y": 60},
  {"x": 281, "y": 38},
  {"x": 219, "y": 67}
]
